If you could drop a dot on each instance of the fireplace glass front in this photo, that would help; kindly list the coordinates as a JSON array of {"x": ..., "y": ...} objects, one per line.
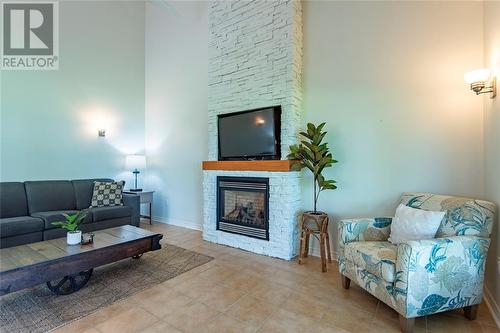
[{"x": 243, "y": 206}]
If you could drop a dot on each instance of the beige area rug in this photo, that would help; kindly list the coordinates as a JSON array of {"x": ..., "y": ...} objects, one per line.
[{"x": 39, "y": 310}]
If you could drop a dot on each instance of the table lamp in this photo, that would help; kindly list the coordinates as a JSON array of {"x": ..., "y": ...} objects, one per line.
[{"x": 135, "y": 162}]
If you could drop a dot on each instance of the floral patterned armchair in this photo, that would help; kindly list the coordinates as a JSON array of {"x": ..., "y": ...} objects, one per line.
[{"x": 418, "y": 278}]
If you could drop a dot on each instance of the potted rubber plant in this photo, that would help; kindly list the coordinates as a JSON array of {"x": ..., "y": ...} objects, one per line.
[
  {"x": 71, "y": 224},
  {"x": 313, "y": 154}
]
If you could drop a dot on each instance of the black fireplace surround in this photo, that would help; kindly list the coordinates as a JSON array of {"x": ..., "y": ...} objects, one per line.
[{"x": 243, "y": 206}]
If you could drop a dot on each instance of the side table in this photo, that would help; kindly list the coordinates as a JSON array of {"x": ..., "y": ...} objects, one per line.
[
  {"x": 145, "y": 197},
  {"x": 316, "y": 225}
]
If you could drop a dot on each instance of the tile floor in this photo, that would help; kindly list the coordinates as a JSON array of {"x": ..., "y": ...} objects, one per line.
[{"x": 243, "y": 292}]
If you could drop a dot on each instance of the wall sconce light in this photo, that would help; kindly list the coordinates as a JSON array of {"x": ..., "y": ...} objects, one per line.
[
  {"x": 101, "y": 132},
  {"x": 478, "y": 80}
]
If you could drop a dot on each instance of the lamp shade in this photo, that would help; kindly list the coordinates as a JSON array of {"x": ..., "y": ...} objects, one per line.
[
  {"x": 477, "y": 75},
  {"x": 135, "y": 162}
]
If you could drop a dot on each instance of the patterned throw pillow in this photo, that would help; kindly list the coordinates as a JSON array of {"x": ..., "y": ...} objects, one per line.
[{"x": 107, "y": 194}]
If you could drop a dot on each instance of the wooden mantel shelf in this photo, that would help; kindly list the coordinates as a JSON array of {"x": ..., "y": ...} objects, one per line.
[{"x": 268, "y": 165}]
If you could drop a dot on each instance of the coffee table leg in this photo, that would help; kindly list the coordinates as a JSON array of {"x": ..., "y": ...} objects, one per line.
[{"x": 70, "y": 283}]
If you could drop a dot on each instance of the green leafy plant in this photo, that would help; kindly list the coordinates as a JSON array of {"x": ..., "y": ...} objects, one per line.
[
  {"x": 72, "y": 221},
  {"x": 314, "y": 155}
]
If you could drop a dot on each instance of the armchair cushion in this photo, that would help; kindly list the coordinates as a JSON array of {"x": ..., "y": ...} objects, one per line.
[{"x": 378, "y": 258}]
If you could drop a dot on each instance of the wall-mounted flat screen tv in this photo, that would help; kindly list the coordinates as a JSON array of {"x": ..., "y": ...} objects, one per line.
[{"x": 252, "y": 134}]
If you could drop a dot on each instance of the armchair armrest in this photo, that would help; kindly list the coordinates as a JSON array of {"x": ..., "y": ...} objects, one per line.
[
  {"x": 358, "y": 230},
  {"x": 133, "y": 201},
  {"x": 439, "y": 274},
  {"x": 364, "y": 229}
]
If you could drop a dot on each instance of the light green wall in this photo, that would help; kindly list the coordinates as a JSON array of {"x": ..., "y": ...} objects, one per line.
[
  {"x": 176, "y": 108},
  {"x": 387, "y": 77},
  {"x": 49, "y": 119},
  {"x": 492, "y": 142}
]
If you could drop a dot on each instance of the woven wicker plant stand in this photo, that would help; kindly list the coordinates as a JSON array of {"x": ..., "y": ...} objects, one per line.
[{"x": 315, "y": 224}]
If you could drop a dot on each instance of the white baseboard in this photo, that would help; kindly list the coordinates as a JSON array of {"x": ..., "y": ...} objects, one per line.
[
  {"x": 492, "y": 305},
  {"x": 178, "y": 223}
]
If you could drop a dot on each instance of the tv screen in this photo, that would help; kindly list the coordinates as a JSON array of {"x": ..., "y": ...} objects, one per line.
[{"x": 253, "y": 134}]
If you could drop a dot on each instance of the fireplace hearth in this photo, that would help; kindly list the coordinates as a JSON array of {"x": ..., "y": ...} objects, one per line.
[{"x": 243, "y": 206}]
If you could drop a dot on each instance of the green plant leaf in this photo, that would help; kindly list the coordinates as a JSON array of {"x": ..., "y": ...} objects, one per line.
[
  {"x": 58, "y": 223},
  {"x": 311, "y": 129},
  {"x": 308, "y": 165},
  {"x": 70, "y": 218},
  {"x": 81, "y": 216},
  {"x": 308, "y": 154},
  {"x": 314, "y": 155},
  {"x": 310, "y": 146},
  {"x": 304, "y": 134},
  {"x": 320, "y": 127},
  {"x": 323, "y": 148},
  {"x": 72, "y": 221}
]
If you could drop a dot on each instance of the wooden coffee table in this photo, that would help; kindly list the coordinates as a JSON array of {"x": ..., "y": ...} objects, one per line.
[{"x": 67, "y": 268}]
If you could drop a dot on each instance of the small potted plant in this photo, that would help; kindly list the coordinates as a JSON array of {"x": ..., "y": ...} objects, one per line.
[
  {"x": 314, "y": 155},
  {"x": 74, "y": 236}
]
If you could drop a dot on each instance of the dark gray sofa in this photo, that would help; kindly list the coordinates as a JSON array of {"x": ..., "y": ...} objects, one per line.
[{"x": 28, "y": 209}]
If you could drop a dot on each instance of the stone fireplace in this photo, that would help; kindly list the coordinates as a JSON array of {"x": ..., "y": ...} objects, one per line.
[
  {"x": 255, "y": 61},
  {"x": 284, "y": 204}
]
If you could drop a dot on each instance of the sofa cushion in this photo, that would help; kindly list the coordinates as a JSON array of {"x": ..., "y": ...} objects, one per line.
[
  {"x": 378, "y": 258},
  {"x": 13, "y": 226},
  {"x": 56, "y": 215},
  {"x": 107, "y": 213},
  {"x": 87, "y": 227},
  {"x": 17, "y": 240},
  {"x": 12, "y": 200},
  {"x": 50, "y": 195},
  {"x": 83, "y": 191}
]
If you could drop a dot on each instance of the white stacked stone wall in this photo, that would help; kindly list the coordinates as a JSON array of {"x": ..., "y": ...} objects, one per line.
[
  {"x": 255, "y": 60},
  {"x": 284, "y": 202}
]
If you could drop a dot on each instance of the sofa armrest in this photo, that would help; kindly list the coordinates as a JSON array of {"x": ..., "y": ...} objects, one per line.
[
  {"x": 133, "y": 201},
  {"x": 439, "y": 274}
]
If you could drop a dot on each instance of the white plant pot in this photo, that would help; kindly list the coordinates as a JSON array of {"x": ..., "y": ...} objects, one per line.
[{"x": 74, "y": 237}]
